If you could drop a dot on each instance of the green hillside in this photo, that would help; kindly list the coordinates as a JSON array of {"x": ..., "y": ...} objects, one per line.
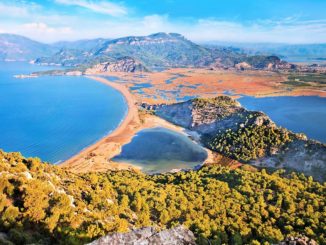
[{"x": 44, "y": 204}]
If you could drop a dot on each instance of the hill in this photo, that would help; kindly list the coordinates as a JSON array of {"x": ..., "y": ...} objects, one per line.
[
  {"x": 247, "y": 136},
  {"x": 45, "y": 204}
]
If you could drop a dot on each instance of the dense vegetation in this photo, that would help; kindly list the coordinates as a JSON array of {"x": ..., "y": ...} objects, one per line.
[
  {"x": 220, "y": 101},
  {"x": 311, "y": 80},
  {"x": 261, "y": 61},
  {"x": 249, "y": 141},
  {"x": 44, "y": 204},
  {"x": 214, "y": 108}
]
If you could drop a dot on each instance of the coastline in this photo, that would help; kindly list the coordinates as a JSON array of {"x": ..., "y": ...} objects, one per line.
[
  {"x": 84, "y": 160},
  {"x": 96, "y": 157}
]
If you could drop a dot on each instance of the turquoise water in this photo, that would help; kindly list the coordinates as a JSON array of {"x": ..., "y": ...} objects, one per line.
[
  {"x": 302, "y": 114},
  {"x": 160, "y": 150},
  {"x": 54, "y": 117}
]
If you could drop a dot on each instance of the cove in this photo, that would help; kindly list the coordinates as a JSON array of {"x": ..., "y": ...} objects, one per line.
[
  {"x": 161, "y": 150},
  {"x": 54, "y": 117},
  {"x": 300, "y": 114}
]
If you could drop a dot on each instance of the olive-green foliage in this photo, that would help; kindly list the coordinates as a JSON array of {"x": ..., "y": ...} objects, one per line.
[
  {"x": 220, "y": 101},
  {"x": 309, "y": 77},
  {"x": 250, "y": 142},
  {"x": 45, "y": 204},
  {"x": 317, "y": 80}
]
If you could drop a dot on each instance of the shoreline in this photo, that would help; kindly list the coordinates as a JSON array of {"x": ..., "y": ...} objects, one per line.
[
  {"x": 73, "y": 163},
  {"x": 97, "y": 157}
]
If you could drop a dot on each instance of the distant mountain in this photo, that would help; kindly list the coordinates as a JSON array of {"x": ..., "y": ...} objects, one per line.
[
  {"x": 289, "y": 52},
  {"x": 156, "y": 50},
  {"x": 15, "y": 47},
  {"x": 160, "y": 50},
  {"x": 68, "y": 57},
  {"x": 85, "y": 44}
]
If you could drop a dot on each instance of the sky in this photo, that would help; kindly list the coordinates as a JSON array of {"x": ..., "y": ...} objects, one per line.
[{"x": 254, "y": 21}]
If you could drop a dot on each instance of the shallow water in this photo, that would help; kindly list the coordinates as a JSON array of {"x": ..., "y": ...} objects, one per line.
[
  {"x": 302, "y": 114},
  {"x": 54, "y": 117},
  {"x": 160, "y": 150}
]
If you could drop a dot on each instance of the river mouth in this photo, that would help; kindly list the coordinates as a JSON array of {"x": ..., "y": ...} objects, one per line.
[{"x": 158, "y": 150}]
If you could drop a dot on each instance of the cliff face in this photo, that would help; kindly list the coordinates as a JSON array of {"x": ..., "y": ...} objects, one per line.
[
  {"x": 247, "y": 136},
  {"x": 149, "y": 235},
  {"x": 125, "y": 64}
]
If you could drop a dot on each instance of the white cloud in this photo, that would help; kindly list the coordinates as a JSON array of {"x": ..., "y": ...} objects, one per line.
[
  {"x": 42, "y": 28},
  {"x": 289, "y": 30},
  {"x": 48, "y": 26},
  {"x": 202, "y": 30},
  {"x": 39, "y": 31},
  {"x": 102, "y": 7}
]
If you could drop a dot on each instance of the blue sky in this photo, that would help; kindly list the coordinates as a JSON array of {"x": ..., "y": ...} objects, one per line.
[{"x": 282, "y": 21}]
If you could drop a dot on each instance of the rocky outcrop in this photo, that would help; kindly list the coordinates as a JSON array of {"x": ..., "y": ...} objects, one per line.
[
  {"x": 303, "y": 155},
  {"x": 125, "y": 64},
  {"x": 148, "y": 235},
  {"x": 243, "y": 66},
  {"x": 204, "y": 115},
  {"x": 300, "y": 240}
]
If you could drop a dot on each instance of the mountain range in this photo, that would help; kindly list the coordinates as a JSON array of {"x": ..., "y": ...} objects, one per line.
[
  {"x": 159, "y": 50},
  {"x": 156, "y": 50}
]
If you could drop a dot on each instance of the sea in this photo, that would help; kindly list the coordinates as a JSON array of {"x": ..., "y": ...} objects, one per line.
[
  {"x": 54, "y": 117},
  {"x": 300, "y": 114}
]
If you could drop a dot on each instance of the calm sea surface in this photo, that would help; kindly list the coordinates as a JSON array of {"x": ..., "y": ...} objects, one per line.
[
  {"x": 54, "y": 117},
  {"x": 302, "y": 114}
]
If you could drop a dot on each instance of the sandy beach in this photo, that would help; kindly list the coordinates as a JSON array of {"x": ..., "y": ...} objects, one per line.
[{"x": 97, "y": 156}]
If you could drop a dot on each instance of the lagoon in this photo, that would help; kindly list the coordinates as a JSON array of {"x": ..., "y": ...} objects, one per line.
[
  {"x": 160, "y": 150},
  {"x": 54, "y": 117}
]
